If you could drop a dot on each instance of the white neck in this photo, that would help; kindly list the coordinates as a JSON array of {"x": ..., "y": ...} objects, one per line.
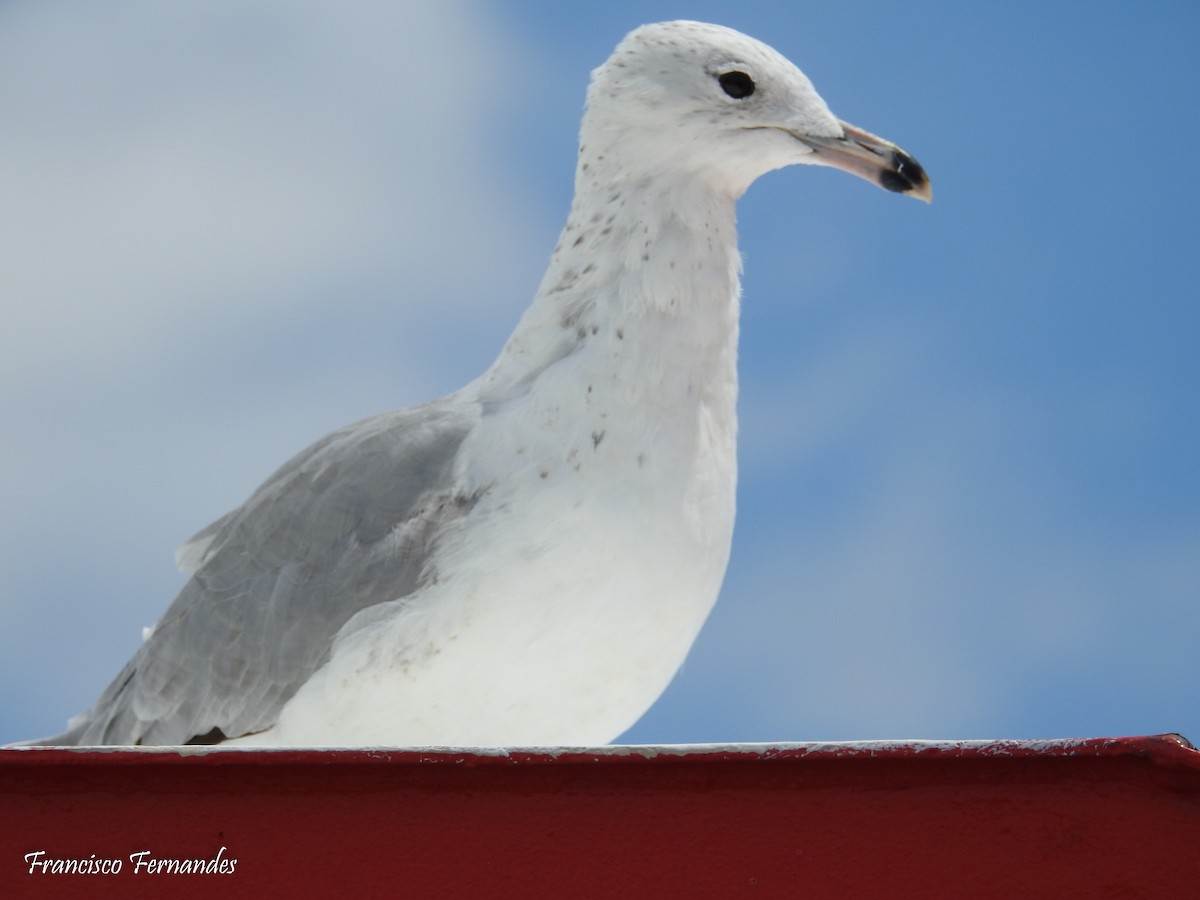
[{"x": 643, "y": 261}]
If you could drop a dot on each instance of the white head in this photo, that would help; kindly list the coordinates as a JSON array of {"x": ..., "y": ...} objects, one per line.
[{"x": 711, "y": 103}]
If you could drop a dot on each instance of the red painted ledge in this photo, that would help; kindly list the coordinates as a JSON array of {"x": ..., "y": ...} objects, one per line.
[{"x": 1104, "y": 817}]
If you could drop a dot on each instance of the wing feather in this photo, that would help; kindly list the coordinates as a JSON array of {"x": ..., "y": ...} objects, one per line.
[{"x": 346, "y": 524}]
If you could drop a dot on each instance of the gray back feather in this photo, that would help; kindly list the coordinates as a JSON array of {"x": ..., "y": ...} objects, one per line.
[{"x": 346, "y": 524}]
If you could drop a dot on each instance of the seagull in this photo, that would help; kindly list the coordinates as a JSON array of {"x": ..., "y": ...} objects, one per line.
[{"x": 527, "y": 560}]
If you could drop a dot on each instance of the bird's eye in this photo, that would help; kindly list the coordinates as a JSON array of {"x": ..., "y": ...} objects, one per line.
[{"x": 737, "y": 85}]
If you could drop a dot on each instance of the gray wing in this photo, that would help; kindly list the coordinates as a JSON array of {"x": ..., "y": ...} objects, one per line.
[{"x": 346, "y": 524}]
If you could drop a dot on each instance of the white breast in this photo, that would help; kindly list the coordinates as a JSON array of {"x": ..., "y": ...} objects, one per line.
[{"x": 576, "y": 585}]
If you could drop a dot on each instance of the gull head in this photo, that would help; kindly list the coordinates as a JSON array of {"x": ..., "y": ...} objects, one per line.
[{"x": 707, "y": 103}]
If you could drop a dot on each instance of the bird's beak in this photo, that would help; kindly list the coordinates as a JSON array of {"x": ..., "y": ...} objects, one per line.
[{"x": 867, "y": 156}]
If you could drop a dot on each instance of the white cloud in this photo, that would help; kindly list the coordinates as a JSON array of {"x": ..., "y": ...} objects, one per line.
[
  {"x": 172, "y": 166},
  {"x": 224, "y": 230}
]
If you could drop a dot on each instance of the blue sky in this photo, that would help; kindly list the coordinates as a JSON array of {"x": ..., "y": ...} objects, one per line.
[{"x": 969, "y": 503}]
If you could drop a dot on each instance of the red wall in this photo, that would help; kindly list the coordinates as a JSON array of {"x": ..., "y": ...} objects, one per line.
[{"x": 1091, "y": 818}]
